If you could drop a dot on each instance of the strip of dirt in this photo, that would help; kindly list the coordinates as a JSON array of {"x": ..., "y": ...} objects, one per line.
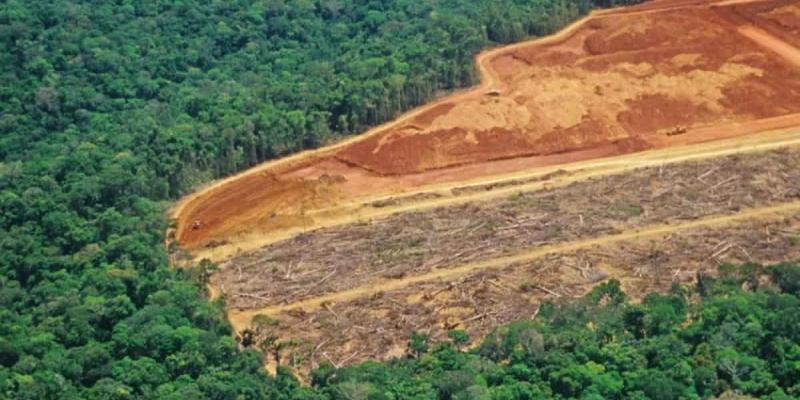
[
  {"x": 780, "y": 18},
  {"x": 409, "y": 244}
]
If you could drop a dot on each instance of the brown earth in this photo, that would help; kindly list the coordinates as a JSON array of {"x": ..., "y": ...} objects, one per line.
[
  {"x": 613, "y": 83},
  {"x": 620, "y": 78},
  {"x": 779, "y": 18}
]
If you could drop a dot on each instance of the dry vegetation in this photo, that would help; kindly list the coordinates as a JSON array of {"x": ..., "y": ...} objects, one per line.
[
  {"x": 341, "y": 258},
  {"x": 378, "y": 326}
]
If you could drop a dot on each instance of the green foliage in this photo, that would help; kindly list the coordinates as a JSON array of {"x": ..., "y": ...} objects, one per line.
[
  {"x": 459, "y": 337},
  {"x": 418, "y": 343},
  {"x": 787, "y": 277}
]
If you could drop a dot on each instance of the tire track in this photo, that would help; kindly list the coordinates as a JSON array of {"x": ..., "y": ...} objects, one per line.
[{"x": 770, "y": 42}]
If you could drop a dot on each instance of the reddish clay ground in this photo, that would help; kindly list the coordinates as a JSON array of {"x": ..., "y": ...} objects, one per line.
[
  {"x": 779, "y": 18},
  {"x": 614, "y": 83}
]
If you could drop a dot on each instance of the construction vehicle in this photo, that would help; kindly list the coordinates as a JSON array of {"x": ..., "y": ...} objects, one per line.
[{"x": 678, "y": 130}]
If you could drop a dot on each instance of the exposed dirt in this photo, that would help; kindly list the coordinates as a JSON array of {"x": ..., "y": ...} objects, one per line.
[
  {"x": 680, "y": 66},
  {"x": 779, "y": 18},
  {"x": 614, "y": 83},
  {"x": 498, "y": 185}
]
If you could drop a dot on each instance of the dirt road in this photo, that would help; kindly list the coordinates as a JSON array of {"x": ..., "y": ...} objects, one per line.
[{"x": 785, "y": 50}]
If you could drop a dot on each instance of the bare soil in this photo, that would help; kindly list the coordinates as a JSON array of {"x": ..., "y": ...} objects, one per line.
[
  {"x": 620, "y": 79},
  {"x": 780, "y": 18}
]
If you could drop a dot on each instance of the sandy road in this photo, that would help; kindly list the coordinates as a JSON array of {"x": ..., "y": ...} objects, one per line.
[
  {"x": 785, "y": 50},
  {"x": 241, "y": 319}
]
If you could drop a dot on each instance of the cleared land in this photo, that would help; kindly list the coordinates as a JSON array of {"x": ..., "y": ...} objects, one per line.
[
  {"x": 647, "y": 144},
  {"x": 378, "y": 326},
  {"x": 414, "y": 243},
  {"x": 354, "y": 293},
  {"x": 339, "y": 287},
  {"x": 619, "y": 80},
  {"x": 614, "y": 83}
]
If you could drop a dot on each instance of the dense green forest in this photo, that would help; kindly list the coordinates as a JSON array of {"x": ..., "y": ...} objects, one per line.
[{"x": 109, "y": 110}]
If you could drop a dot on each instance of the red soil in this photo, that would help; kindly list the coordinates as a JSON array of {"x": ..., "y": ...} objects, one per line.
[
  {"x": 611, "y": 85},
  {"x": 779, "y": 18},
  {"x": 647, "y": 56},
  {"x": 654, "y": 112}
]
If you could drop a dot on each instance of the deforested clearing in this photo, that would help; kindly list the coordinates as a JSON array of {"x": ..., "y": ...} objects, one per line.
[{"x": 647, "y": 228}]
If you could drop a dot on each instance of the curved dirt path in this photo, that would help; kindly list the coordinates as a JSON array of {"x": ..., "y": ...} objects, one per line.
[
  {"x": 763, "y": 38},
  {"x": 241, "y": 319}
]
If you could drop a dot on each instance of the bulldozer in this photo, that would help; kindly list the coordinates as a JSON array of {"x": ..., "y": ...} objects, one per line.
[{"x": 678, "y": 130}]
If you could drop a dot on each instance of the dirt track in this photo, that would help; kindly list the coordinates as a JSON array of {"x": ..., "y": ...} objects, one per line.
[
  {"x": 790, "y": 53},
  {"x": 631, "y": 111}
]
